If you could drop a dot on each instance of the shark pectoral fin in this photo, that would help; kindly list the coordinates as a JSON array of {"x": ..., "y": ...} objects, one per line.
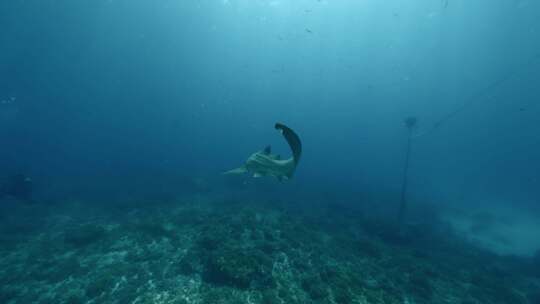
[{"x": 239, "y": 170}]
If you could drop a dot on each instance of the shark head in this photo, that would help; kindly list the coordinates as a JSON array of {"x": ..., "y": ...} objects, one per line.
[{"x": 264, "y": 163}]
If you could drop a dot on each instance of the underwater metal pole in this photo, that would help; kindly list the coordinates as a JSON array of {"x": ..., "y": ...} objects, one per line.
[{"x": 410, "y": 123}]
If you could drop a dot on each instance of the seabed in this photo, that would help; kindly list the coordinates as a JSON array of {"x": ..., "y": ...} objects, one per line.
[{"x": 204, "y": 249}]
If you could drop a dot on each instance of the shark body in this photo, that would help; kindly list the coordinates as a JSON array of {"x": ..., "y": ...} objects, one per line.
[{"x": 264, "y": 163}]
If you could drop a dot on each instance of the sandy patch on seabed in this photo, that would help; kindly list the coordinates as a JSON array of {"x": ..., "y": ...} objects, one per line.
[{"x": 505, "y": 230}]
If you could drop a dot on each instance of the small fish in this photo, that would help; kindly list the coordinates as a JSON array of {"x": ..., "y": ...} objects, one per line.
[{"x": 309, "y": 31}]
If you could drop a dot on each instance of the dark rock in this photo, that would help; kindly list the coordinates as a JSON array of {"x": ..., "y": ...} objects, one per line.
[
  {"x": 7, "y": 294},
  {"x": 99, "y": 285},
  {"x": 420, "y": 285},
  {"x": 369, "y": 248},
  {"x": 534, "y": 297},
  {"x": 154, "y": 229},
  {"x": 238, "y": 268},
  {"x": 84, "y": 235},
  {"x": 189, "y": 264},
  {"x": 314, "y": 287}
]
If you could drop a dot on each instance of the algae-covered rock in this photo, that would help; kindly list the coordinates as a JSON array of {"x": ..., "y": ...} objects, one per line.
[
  {"x": 189, "y": 264},
  {"x": 154, "y": 229},
  {"x": 420, "y": 285},
  {"x": 534, "y": 297},
  {"x": 75, "y": 296},
  {"x": 84, "y": 235},
  {"x": 507, "y": 294},
  {"x": 237, "y": 267},
  {"x": 232, "y": 251},
  {"x": 270, "y": 296},
  {"x": 220, "y": 296},
  {"x": 369, "y": 248},
  {"x": 99, "y": 285},
  {"x": 7, "y": 294},
  {"x": 345, "y": 282},
  {"x": 212, "y": 240},
  {"x": 313, "y": 285}
]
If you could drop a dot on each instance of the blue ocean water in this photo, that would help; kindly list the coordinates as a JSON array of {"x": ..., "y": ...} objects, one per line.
[{"x": 110, "y": 102}]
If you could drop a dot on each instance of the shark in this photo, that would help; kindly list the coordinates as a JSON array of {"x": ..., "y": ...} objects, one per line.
[{"x": 265, "y": 163}]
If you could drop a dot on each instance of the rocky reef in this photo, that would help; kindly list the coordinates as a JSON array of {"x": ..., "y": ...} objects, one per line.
[{"x": 211, "y": 251}]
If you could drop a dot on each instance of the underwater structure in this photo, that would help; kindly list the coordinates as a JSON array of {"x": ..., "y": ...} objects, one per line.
[{"x": 410, "y": 124}]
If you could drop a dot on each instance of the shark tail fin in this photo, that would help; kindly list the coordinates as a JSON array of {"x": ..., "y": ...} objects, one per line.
[
  {"x": 239, "y": 170},
  {"x": 292, "y": 139}
]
